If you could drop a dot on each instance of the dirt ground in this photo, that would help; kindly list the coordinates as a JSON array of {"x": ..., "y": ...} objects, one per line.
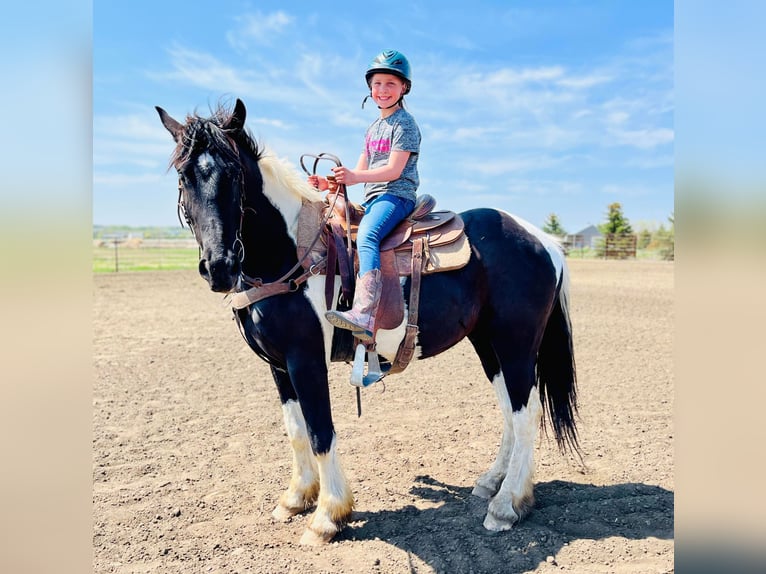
[{"x": 190, "y": 455}]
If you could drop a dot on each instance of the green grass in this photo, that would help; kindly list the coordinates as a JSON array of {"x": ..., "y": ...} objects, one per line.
[
  {"x": 173, "y": 258},
  {"x": 144, "y": 259}
]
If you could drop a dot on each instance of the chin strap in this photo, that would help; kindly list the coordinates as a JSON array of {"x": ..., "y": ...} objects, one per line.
[{"x": 368, "y": 96}]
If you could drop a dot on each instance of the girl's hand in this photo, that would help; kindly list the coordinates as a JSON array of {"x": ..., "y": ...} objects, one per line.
[
  {"x": 319, "y": 182},
  {"x": 345, "y": 175}
]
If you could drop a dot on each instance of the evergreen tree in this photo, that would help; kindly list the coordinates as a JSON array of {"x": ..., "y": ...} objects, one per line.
[
  {"x": 553, "y": 226},
  {"x": 616, "y": 222},
  {"x": 644, "y": 238},
  {"x": 666, "y": 240}
]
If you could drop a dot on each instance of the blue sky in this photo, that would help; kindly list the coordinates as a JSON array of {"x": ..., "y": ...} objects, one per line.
[{"x": 532, "y": 107}]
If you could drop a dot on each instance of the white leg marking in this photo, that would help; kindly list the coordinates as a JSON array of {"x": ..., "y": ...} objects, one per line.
[
  {"x": 304, "y": 484},
  {"x": 516, "y": 495},
  {"x": 489, "y": 483},
  {"x": 335, "y": 504}
]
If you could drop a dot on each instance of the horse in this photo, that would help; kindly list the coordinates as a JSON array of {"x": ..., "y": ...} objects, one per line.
[{"x": 510, "y": 300}]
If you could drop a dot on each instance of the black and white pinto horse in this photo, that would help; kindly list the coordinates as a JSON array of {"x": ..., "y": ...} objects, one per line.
[{"x": 510, "y": 300}]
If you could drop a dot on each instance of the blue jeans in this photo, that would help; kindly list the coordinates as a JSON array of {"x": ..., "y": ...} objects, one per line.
[{"x": 382, "y": 214}]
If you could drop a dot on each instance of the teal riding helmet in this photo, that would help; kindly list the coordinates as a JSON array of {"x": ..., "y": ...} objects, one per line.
[{"x": 391, "y": 62}]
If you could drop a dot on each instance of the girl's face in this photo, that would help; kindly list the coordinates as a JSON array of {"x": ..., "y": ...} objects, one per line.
[{"x": 386, "y": 89}]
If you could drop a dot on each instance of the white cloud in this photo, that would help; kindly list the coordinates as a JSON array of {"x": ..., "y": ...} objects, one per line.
[
  {"x": 274, "y": 123},
  {"x": 510, "y": 165},
  {"x": 651, "y": 162},
  {"x": 254, "y": 83},
  {"x": 587, "y": 81},
  {"x": 646, "y": 138},
  {"x": 205, "y": 71},
  {"x": 131, "y": 140},
  {"x": 469, "y": 185},
  {"x": 511, "y": 77},
  {"x": 548, "y": 187},
  {"x": 129, "y": 179},
  {"x": 259, "y": 28},
  {"x": 627, "y": 190}
]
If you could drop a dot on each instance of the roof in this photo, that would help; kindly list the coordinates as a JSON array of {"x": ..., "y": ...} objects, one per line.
[{"x": 590, "y": 230}]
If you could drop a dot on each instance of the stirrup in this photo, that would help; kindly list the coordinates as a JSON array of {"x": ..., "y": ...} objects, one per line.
[{"x": 374, "y": 371}]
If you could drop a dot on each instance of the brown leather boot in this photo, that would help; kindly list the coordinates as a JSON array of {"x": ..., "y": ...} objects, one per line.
[{"x": 361, "y": 317}]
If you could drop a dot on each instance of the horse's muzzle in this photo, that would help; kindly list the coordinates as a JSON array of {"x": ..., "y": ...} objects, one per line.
[{"x": 221, "y": 273}]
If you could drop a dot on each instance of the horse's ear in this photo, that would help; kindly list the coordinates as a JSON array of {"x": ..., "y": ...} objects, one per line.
[
  {"x": 175, "y": 128},
  {"x": 237, "y": 120}
]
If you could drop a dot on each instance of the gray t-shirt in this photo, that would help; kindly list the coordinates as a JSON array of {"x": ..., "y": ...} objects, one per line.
[{"x": 397, "y": 132}]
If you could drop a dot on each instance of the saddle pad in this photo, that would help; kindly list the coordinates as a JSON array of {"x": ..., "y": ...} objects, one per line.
[{"x": 446, "y": 257}]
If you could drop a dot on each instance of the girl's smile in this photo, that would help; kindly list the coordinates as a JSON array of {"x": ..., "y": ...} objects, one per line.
[{"x": 386, "y": 89}]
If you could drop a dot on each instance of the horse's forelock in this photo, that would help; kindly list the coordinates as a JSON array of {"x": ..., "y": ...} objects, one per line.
[{"x": 210, "y": 133}]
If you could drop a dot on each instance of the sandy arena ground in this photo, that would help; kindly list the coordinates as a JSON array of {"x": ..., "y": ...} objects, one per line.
[{"x": 190, "y": 455}]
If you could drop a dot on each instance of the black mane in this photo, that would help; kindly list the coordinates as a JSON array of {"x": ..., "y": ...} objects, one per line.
[{"x": 212, "y": 133}]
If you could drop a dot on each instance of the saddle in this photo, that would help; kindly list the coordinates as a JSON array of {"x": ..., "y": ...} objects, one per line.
[{"x": 427, "y": 241}]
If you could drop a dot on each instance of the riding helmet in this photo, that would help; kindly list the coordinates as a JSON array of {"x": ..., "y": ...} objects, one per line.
[{"x": 391, "y": 62}]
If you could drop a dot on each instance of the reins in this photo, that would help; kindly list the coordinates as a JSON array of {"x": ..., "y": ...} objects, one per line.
[{"x": 286, "y": 284}]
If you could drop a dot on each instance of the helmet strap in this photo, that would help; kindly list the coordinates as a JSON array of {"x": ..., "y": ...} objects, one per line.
[
  {"x": 368, "y": 96},
  {"x": 399, "y": 101}
]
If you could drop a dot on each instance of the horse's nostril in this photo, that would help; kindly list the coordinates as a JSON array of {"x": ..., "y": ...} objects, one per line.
[{"x": 203, "y": 270}]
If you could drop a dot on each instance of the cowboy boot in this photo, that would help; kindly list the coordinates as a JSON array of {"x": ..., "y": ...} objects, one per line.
[{"x": 361, "y": 317}]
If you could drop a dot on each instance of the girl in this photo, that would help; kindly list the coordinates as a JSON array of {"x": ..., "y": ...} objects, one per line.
[{"x": 388, "y": 166}]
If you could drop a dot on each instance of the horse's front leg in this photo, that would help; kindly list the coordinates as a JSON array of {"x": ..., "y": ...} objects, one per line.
[
  {"x": 304, "y": 484},
  {"x": 515, "y": 498},
  {"x": 336, "y": 502}
]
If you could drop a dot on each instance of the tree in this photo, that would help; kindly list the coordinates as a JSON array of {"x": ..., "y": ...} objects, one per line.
[
  {"x": 665, "y": 239},
  {"x": 553, "y": 226},
  {"x": 616, "y": 222},
  {"x": 644, "y": 238}
]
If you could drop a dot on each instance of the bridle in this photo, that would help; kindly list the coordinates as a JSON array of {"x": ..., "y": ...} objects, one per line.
[{"x": 257, "y": 289}]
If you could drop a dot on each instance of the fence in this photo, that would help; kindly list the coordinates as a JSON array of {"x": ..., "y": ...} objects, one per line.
[
  {"x": 119, "y": 254},
  {"x": 618, "y": 246}
]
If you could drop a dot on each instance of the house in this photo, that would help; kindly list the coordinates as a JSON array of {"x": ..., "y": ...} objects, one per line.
[{"x": 587, "y": 237}]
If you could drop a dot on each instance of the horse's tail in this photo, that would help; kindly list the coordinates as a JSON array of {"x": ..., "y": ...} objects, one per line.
[{"x": 556, "y": 376}]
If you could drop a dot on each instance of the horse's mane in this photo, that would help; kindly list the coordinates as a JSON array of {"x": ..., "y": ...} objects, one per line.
[
  {"x": 201, "y": 133},
  {"x": 280, "y": 173},
  {"x": 205, "y": 133}
]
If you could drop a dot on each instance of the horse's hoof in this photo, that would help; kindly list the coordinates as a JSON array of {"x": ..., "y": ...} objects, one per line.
[
  {"x": 312, "y": 538},
  {"x": 283, "y": 514},
  {"x": 496, "y": 524},
  {"x": 482, "y": 492}
]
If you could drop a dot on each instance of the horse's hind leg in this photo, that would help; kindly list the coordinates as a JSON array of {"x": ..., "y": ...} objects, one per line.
[
  {"x": 304, "y": 483},
  {"x": 489, "y": 483}
]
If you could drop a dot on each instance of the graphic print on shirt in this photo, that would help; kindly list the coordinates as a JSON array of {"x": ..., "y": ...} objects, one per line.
[{"x": 379, "y": 146}]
